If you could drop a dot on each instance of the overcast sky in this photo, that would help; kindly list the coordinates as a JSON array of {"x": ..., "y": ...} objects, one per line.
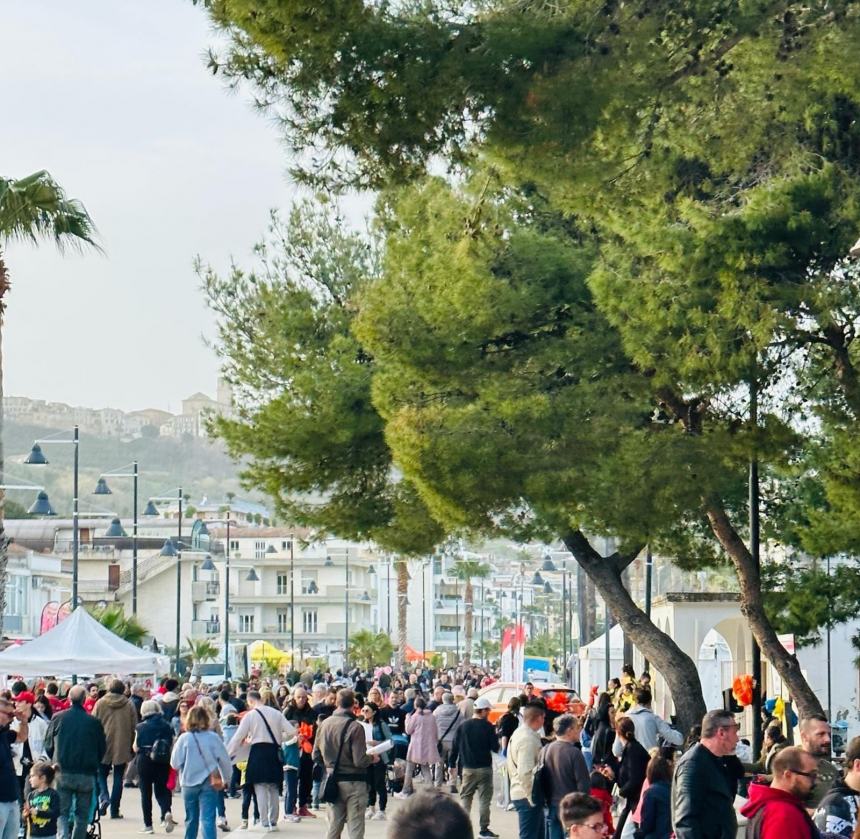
[{"x": 113, "y": 98}]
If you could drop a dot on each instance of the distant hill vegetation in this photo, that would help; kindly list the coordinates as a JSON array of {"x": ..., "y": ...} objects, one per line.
[{"x": 200, "y": 466}]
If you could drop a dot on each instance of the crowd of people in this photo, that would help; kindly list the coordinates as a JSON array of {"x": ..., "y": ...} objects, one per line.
[{"x": 288, "y": 747}]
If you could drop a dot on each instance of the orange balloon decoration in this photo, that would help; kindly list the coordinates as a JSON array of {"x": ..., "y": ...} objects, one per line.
[{"x": 742, "y": 689}]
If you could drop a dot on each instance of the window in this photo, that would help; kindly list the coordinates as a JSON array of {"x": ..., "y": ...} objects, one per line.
[
  {"x": 283, "y": 583},
  {"x": 309, "y": 583},
  {"x": 309, "y": 621},
  {"x": 16, "y": 595},
  {"x": 234, "y": 544},
  {"x": 286, "y": 546},
  {"x": 246, "y": 623},
  {"x": 283, "y": 621},
  {"x": 260, "y": 550}
]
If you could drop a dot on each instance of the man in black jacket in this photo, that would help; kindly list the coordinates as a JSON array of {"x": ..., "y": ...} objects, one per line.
[
  {"x": 77, "y": 742},
  {"x": 702, "y": 799},
  {"x": 839, "y": 811},
  {"x": 473, "y": 747}
]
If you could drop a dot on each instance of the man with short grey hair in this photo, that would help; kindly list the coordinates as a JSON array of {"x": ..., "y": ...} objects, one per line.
[
  {"x": 702, "y": 797},
  {"x": 77, "y": 743},
  {"x": 448, "y": 720},
  {"x": 566, "y": 769}
]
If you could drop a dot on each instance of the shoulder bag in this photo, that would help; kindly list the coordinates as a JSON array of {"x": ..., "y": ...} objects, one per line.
[
  {"x": 215, "y": 778},
  {"x": 277, "y": 744},
  {"x": 328, "y": 788}
]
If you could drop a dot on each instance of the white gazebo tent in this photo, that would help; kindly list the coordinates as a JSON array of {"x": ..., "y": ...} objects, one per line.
[
  {"x": 79, "y": 644},
  {"x": 592, "y": 659}
]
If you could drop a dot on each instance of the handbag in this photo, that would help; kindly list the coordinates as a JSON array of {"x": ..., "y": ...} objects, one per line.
[
  {"x": 328, "y": 788},
  {"x": 281, "y": 757},
  {"x": 215, "y": 779}
]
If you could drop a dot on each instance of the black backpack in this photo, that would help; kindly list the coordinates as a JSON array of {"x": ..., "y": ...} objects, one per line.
[
  {"x": 159, "y": 751},
  {"x": 541, "y": 787}
]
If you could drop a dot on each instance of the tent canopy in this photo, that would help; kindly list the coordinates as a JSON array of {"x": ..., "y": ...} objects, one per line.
[
  {"x": 79, "y": 644},
  {"x": 263, "y": 651},
  {"x": 597, "y": 647}
]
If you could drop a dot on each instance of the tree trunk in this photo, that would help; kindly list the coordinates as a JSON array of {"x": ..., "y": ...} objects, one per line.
[
  {"x": 676, "y": 667},
  {"x": 752, "y": 609},
  {"x": 590, "y": 610},
  {"x": 402, "y": 593},
  {"x": 469, "y": 608},
  {"x": 4, "y": 542}
]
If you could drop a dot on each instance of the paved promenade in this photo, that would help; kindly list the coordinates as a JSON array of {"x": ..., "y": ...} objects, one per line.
[{"x": 503, "y": 823}]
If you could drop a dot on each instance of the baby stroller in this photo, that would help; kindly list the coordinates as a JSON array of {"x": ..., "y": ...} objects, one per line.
[{"x": 396, "y": 772}]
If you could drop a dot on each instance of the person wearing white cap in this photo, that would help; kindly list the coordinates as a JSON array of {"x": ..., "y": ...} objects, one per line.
[{"x": 473, "y": 749}]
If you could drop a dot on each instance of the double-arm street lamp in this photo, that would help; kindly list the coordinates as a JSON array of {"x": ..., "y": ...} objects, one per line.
[
  {"x": 209, "y": 565},
  {"x": 365, "y": 598},
  {"x": 102, "y": 488},
  {"x": 37, "y": 458}
]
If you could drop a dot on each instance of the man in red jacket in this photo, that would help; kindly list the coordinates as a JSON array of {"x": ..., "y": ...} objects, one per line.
[{"x": 778, "y": 811}]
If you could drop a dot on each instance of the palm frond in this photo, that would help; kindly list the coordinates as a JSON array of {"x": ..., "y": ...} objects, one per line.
[{"x": 36, "y": 207}]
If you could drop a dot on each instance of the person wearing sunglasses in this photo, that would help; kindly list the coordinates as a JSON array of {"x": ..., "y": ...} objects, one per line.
[
  {"x": 778, "y": 811},
  {"x": 582, "y": 816}
]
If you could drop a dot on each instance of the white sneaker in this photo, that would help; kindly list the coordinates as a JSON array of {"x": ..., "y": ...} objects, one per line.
[
  {"x": 292, "y": 817},
  {"x": 379, "y": 816},
  {"x": 401, "y": 796},
  {"x": 368, "y": 813},
  {"x": 146, "y": 830},
  {"x": 243, "y": 825},
  {"x": 168, "y": 823}
]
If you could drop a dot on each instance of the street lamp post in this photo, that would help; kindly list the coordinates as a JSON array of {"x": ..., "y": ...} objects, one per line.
[
  {"x": 424, "y": 612},
  {"x": 211, "y": 567},
  {"x": 346, "y": 615},
  {"x": 36, "y": 458},
  {"x": 292, "y": 601},
  {"x": 102, "y": 488},
  {"x": 174, "y": 550}
]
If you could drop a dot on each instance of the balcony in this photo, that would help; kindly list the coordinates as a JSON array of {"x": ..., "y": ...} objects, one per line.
[
  {"x": 202, "y": 629},
  {"x": 205, "y": 590}
]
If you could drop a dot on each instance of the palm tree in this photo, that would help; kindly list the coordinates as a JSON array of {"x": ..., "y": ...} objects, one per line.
[
  {"x": 402, "y": 570},
  {"x": 367, "y": 648},
  {"x": 201, "y": 652},
  {"x": 469, "y": 569},
  {"x": 31, "y": 209},
  {"x": 127, "y": 627}
]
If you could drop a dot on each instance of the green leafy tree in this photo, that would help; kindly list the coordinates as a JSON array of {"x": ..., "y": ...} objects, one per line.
[
  {"x": 32, "y": 209},
  {"x": 706, "y": 151},
  {"x": 367, "y": 649},
  {"x": 305, "y": 422},
  {"x": 544, "y": 646},
  {"x": 487, "y": 650}
]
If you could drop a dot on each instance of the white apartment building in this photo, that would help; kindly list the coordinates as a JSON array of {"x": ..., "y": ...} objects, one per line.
[{"x": 34, "y": 581}]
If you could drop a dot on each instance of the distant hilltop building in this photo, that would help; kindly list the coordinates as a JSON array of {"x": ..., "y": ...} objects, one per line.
[{"x": 111, "y": 422}]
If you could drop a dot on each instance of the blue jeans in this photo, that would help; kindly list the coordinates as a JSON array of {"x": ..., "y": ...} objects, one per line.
[
  {"x": 76, "y": 798},
  {"x": 115, "y": 796},
  {"x": 531, "y": 819},
  {"x": 554, "y": 830},
  {"x": 10, "y": 819},
  {"x": 292, "y": 793},
  {"x": 200, "y": 803}
]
